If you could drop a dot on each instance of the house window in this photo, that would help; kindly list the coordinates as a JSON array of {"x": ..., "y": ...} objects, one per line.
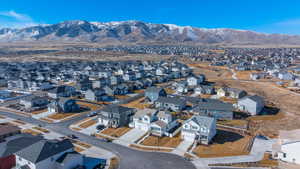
[{"x": 284, "y": 155}]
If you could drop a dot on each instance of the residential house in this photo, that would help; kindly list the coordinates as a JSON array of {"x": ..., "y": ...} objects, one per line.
[
  {"x": 48, "y": 154},
  {"x": 214, "y": 108},
  {"x": 287, "y": 147},
  {"x": 204, "y": 89},
  {"x": 195, "y": 80},
  {"x": 31, "y": 102},
  {"x": 170, "y": 103},
  {"x": 153, "y": 93},
  {"x": 251, "y": 104},
  {"x": 231, "y": 92},
  {"x": 115, "y": 116},
  {"x": 62, "y": 91},
  {"x": 97, "y": 94},
  {"x": 200, "y": 129},
  {"x": 143, "y": 118},
  {"x": 64, "y": 105},
  {"x": 165, "y": 124}
]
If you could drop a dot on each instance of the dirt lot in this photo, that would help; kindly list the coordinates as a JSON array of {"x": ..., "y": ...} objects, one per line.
[
  {"x": 41, "y": 129},
  {"x": 137, "y": 104},
  {"x": 224, "y": 144},
  {"x": 116, "y": 132},
  {"x": 162, "y": 141},
  {"x": 89, "y": 105}
]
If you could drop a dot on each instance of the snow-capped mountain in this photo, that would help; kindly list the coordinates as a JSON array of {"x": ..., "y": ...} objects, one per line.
[{"x": 137, "y": 31}]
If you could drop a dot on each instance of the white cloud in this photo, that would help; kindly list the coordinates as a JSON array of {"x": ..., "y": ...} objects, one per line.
[{"x": 16, "y": 20}]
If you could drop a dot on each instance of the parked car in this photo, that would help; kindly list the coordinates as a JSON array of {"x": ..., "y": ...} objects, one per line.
[{"x": 100, "y": 127}]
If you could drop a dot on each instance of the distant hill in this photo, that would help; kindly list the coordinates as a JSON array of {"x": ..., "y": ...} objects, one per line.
[{"x": 140, "y": 32}]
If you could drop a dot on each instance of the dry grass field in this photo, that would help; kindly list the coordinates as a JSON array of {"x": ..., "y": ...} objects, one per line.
[
  {"x": 224, "y": 144},
  {"x": 39, "y": 111},
  {"x": 162, "y": 141},
  {"x": 89, "y": 105},
  {"x": 137, "y": 104},
  {"x": 116, "y": 132}
]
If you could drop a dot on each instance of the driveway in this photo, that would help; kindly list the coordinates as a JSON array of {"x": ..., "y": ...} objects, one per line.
[
  {"x": 130, "y": 137},
  {"x": 182, "y": 147}
]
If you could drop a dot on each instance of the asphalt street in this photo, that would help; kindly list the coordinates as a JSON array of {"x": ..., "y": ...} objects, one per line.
[{"x": 129, "y": 158}]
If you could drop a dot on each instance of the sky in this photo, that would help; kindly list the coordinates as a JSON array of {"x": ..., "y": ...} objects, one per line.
[{"x": 267, "y": 16}]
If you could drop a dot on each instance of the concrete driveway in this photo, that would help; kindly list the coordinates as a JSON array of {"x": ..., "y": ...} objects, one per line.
[{"x": 131, "y": 136}]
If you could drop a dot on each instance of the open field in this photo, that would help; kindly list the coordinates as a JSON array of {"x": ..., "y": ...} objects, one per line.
[
  {"x": 88, "y": 123},
  {"x": 224, "y": 144},
  {"x": 162, "y": 141},
  {"x": 116, "y": 132}
]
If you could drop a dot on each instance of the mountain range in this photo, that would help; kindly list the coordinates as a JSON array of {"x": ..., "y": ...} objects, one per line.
[{"x": 139, "y": 32}]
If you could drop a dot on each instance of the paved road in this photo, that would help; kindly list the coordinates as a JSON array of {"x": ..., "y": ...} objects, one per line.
[{"x": 129, "y": 158}]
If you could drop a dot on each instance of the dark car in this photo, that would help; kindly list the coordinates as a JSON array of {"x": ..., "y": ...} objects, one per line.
[{"x": 100, "y": 127}]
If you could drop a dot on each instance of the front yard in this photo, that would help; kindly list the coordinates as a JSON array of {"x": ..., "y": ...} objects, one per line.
[
  {"x": 224, "y": 144},
  {"x": 171, "y": 142},
  {"x": 116, "y": 132}
]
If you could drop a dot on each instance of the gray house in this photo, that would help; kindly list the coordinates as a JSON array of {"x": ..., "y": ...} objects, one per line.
[
  {"x": 200, "y": 129},
  {"x": 33, "y": 101},
  {"x": 153, "y": 93},
  {"x": 251, "y": 104},
  {"x": 115, "y": 116},
  {"x": 64, "y": 105},
  {"x": 216, "y": 109},
  {"x": 95, "y": 94},
  {"x": 170, "y": 103}
]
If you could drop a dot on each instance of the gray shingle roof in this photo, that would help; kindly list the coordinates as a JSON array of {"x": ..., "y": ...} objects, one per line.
[
  {"x": 203, "y": 120},
  {"x": 219, "y": 106},
  {"x": 44, "y": 149},
  {"x": 113, "y": 108},
  {"x": 172, "y": 100}
]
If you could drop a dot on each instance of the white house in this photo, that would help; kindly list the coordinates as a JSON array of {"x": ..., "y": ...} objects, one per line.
[
  {"x": 251, "y": 104},
  {"x": 195, "y": 80},
  {"x": 46, "y": 154},
  {"x": 287, "y": 147},
  {"x": 164, "y": 125},
  {"x": 143, "y": 118},
  {"x": 199, "y": 128}
]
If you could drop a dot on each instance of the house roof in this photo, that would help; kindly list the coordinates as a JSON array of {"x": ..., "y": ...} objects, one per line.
[
  {"x": 203, "y": 120},
  {"x": 113, "y": 108},
  {"x": 254, "y": 98},
  {"x": 213, "y": 105},
  {"x": 67, "y": 156},
  {"x": 8, "y": 128},
  {"x": 153, "y": 90},
  {"x": 143, "y": 112},
  {"x": 44, "y": 149},
  {"x": 172, "y": 100},
  {"x": 160, "y": 123},
  {"x": 22, "y": 141}
]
